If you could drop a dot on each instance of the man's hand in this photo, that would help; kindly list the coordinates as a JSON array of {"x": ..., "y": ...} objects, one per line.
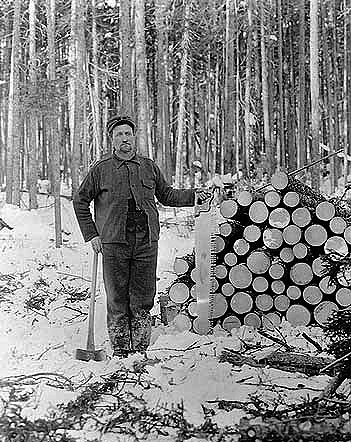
[
  {"x": 96, "y": 244},
  {"x": 203, "y": 195}
]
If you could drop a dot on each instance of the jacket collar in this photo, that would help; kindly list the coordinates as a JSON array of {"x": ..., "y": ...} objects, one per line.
[{"x": 119, "y": 161}]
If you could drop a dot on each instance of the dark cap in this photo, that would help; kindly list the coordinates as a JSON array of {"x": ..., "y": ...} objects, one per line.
[{"x": 118, "y": 120}]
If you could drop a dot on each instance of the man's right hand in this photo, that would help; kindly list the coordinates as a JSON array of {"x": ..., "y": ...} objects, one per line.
[{"x": 96, "y": 244}]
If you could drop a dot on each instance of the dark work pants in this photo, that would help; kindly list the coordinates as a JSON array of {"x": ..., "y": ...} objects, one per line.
[{"x": 129, "y": 272}]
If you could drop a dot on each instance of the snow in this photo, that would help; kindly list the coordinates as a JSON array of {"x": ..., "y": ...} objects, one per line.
[{"x": 187, "y": 369}]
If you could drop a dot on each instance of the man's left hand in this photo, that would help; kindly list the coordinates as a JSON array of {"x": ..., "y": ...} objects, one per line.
[{"x": 202, "y": 196}]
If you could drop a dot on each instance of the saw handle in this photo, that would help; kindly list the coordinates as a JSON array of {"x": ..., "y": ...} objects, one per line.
[
  {"x": 91, "y": 319},
  {"x": 205, "y": 206}
]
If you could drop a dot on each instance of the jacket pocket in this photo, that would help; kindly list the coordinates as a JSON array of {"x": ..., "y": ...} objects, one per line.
[{"x": 148, "y": 189}]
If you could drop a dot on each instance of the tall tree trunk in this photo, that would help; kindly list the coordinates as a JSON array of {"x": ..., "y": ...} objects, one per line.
[
  {"x": 229, "y": 105},
  {"x": 217, "y": 121},
  {"x": 13, "y": 157},
  {"x": 345, "y": 94},
  {"x": 181, "y": 117},
  {"x": 329, "y": 99},
  {"x": 237, "y": 92},
  {"x": 301, "y": 151},
  {"x": 6, "y": 61},
  {"x": 78, "y": 85},
  {"x": 96, "y": 89},
  {"x": 291, "y": 109},
  {"x": 32, "y": 126},
  {"x": 74, "y": 158},
  {"x": 281, "y": 154},
  {"x": 335, "y": 108},
  {"x": 247, "y": 116},
  {"x": 314, "y": 79},
  {"x": 82, "y": 77},
  {"x": 54, "y": 145},
  {"x": 162, "y": 137},
  {"x": 141, "y": 80},
  {"x": 265, "y": 95},
  {"x": 126, "y": 84}
]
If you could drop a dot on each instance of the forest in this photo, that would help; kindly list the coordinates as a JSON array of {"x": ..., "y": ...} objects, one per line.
[{"x": 246, "y": 87}]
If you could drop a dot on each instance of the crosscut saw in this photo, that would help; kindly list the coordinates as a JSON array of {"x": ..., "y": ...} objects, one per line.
[{"x": 206, "y": 228}]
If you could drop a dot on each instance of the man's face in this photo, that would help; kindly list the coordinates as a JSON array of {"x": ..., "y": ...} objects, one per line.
[{"x": 123, "y": 141}]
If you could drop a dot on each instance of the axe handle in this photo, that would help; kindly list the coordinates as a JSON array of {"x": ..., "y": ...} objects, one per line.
[{"x": 91, "y": 319}]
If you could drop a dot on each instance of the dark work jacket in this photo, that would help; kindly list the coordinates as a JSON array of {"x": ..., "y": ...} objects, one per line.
[{"x": 109, "y": 183}]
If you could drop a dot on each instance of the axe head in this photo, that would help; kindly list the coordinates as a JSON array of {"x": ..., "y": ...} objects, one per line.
[{"x": 90, "y": 355}]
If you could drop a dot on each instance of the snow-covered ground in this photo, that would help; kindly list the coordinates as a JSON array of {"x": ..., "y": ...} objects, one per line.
[{"x": 43, "y": 299}]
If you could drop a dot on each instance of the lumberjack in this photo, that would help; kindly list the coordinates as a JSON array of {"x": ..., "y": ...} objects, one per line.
[{"x": 125, "y": 230}]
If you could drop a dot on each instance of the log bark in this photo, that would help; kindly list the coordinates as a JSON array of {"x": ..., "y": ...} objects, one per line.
[
  {"x": 286, "y": 361},
  {"x": 308, "y": 197}
]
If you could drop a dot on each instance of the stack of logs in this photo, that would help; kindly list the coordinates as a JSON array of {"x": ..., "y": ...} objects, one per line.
[{"x": 269, "y": 265}]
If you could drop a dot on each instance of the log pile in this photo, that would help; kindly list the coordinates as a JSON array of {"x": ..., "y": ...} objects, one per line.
[{"x": 269, "y": 259}]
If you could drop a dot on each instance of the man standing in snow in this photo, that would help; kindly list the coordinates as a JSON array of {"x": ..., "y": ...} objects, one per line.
[{"x": 126, "y": 230}]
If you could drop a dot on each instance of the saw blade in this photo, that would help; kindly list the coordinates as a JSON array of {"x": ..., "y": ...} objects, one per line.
[{"x": 206, "y": 228}]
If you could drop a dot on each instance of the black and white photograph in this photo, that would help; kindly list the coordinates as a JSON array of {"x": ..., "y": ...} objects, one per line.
[{"x": 175, "y": 220}]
